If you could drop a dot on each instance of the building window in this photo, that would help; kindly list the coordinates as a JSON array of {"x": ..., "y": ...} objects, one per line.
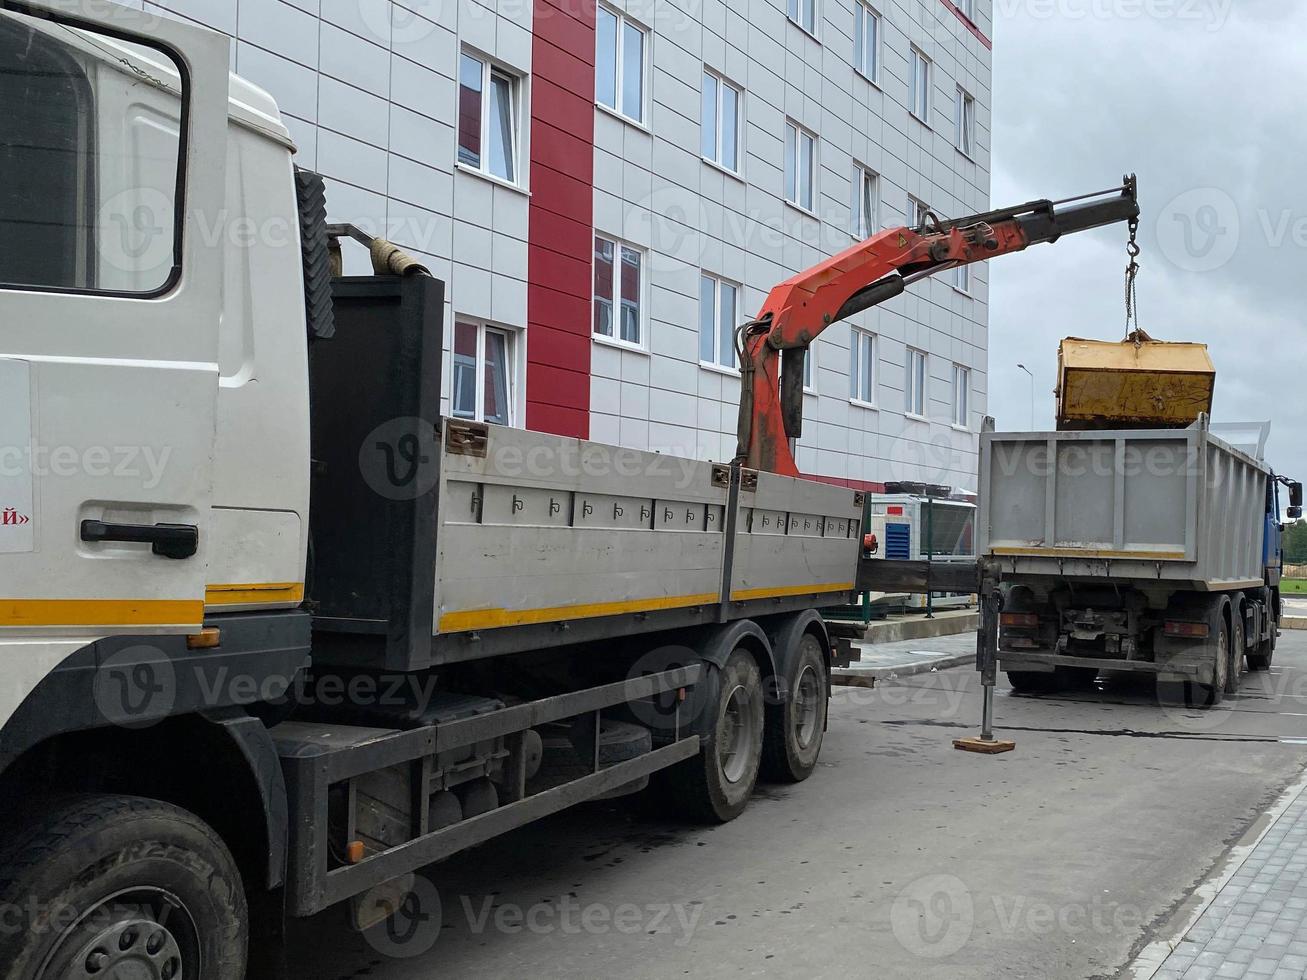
[
  {"x": 803, "y": 13},
  {"x": 920, "y": 95},
  {"x": 800, "y": 157},
  {"x": 966, "y": 122},
  {"x": 810, "y": 368},
  {"x": 720, "y": 125},
  {"x": 862, "y": 366},
  {"x": 962, "y": 278},
  {"x": 866, "y": 203},
  {"x": 483, "y": 373},
  {"x": 914, "y": 388},
  {"x": 487, "y": 118},
  {"x": 718, "y": 316},
  {"x": 917, "y": 210},
  {"x": 620, "y": 54},
  {"x": 968, "y": 9},
  {"x": 866, "y": 41},
  {"x": 617, "y": 292},
  {"x": 961, "y": 395}
]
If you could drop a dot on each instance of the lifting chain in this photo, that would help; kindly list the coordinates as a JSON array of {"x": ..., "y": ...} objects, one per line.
[{"x": 1131, "y": 298}]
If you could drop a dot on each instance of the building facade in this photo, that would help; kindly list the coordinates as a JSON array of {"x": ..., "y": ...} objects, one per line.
[{"x": 608, "y": 187}]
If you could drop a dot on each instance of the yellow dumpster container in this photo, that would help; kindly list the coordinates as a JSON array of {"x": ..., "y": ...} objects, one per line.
[{"x": 1137, "y": 383}]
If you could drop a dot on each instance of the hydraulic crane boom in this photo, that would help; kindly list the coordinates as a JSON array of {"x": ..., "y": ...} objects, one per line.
[{"x": 773, "y": 346}]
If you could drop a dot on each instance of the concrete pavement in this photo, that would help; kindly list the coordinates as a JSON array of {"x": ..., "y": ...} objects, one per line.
[{"x": 900, "y": 857}]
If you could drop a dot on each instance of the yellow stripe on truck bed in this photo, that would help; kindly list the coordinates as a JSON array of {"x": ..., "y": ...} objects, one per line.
[
  {"x": 462, "y": 621},
  {"x": 1034, "y": 552}
]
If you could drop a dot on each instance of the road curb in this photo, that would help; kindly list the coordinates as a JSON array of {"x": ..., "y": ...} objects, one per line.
[
  {"x": 867, "y": 676},
  {"x": 1294, "y": 623}
]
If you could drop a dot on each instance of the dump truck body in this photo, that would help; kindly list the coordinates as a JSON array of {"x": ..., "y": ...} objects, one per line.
[
  {"x": 1151, "y": 550},
  {"x": 1179, "y": 507}
]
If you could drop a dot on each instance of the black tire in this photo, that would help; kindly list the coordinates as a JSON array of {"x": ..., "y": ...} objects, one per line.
[
  {"x": 794, "y": 728},
  {"x": 1237, "y": 652},
  {"x": 133, "y": 883},
  {"x": 1032, "y": 681},
  {"x": 1261, "y": 657},
  {"x": 715, "y": 786},
  {"x": 1075, "y": 678},
  {"x": 1210, "y": 695}
]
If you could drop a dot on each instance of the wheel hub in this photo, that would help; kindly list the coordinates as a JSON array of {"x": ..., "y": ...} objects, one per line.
[
  {"x": 807, "y": 707},
  {"x": 118, "y": 941},
  {"x": 734, "y": 743}
]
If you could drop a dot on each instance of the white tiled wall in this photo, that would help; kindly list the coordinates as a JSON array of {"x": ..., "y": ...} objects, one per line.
[
  {"x": 653, "y": 189},
  {"x": 368, "y": 89}
]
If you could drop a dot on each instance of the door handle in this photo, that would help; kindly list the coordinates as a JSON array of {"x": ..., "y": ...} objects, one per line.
[{"x": 168, "y": 540}]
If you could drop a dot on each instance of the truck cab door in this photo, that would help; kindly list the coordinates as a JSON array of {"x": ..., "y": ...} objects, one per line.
[{"x": 111, "y": 197}]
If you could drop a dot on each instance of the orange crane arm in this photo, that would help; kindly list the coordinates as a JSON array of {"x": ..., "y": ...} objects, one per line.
[{"x": 772, "y": 347}]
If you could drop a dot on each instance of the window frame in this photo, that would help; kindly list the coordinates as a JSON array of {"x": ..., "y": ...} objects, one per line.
[
  {"x": 916, "y": 211},
  {"x": 717, "y": 283},
  {"x": 799, "y": 6},
  {"x": 89, "y": 208},
  {"x": 814, "y": 165},
  {"x": 860, "y": 178},
  {"x": 723, "y": 82},
  {"x": 964, "y": 137},
  {"x": 923, "y": 117},
  {"x": 858, "y": 385},
  {"x": 962, "y": 279},
  {"x": 489, "y": 70},
  {"x": 914, "y": 387},
  {"x": 967, "y": 8},
  {"x": 862, "y": 12},
  {"x": 619, "y": 68},
  {"x": 615, "y": 339},
  {"x": 810, "y": 370},
  {"x": 484, "y": 328},
  {"x": 961, "y": 397}
]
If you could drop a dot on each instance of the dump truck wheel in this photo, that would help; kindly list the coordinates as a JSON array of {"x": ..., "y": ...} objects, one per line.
[
  {"x": 1235, "y": 661},
  {"x": 794, "y": 729},
  {"x": 1261, "y": 657},
  {"x": 1032, "y": 681},
  {"x": 1210, "y": 695},
  {"x": 715, "y": 786},
  {"x": 121, "y": 886}
]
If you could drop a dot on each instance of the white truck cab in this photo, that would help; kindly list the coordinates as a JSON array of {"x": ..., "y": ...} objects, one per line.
[{"x": 148, "y": 336}]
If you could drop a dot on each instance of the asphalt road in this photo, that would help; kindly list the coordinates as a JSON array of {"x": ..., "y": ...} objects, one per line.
[{"x": 900, "y": 857}]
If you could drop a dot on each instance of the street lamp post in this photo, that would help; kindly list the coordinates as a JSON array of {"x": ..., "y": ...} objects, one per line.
[{"x": 1032, "y": 395}]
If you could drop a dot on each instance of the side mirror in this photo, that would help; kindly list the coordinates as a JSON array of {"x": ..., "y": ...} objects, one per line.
[
  {"x": 1295, "y": 496},
  {"x": 1295, "y": 513}
]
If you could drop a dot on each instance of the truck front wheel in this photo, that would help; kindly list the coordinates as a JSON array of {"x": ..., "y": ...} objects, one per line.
[
  {"x": 1260, "y": 656},
  {"x": 118, "y": 886},
  {"x": 715, "y": 786}
]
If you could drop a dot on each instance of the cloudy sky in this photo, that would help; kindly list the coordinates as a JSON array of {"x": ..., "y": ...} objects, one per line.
[{"x": 1204, "y": 100}]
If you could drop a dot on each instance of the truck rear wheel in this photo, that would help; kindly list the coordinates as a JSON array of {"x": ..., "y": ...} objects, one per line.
[
  {"x": 1235, "y": 661},
  {"x": 1210, "y": 695},
  {"x": 794, "y": 730},
  {"x": 1032, "y": 681},
  {"x": 715, "y": 786},
  {"x": 118, "y": 886}
]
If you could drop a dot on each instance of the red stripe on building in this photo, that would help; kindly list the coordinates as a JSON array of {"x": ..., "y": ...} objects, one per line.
[
  {"x": 560, "y": 237},
  {"x": 968, "y": 23}
]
